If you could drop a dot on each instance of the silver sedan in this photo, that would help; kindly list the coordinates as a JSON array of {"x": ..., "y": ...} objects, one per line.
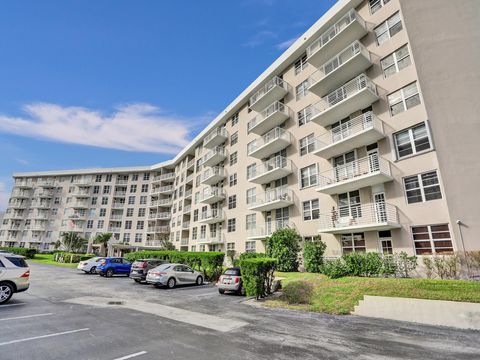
[{"x": 171, "y": 275}]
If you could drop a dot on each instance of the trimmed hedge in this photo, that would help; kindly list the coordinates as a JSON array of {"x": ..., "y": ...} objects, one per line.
[
  {"x": 248, "y": 255},
  {"x": 28, "y": 253},
  {"x": 210, "y": 263},
  {"x": 257, "y": 276},
  {"x": 71, "y": 258}
]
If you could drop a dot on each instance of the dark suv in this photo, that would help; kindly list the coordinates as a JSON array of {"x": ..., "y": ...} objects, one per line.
[{"x": 140, "y": 268}]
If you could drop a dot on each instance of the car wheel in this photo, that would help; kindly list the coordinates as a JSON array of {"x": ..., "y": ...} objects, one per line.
[
  {"x": 221, "y": 291},
  {"x": 199, "y": 280},
  {"x": 171, "y": 283},
  {"x": 138, "y": 280},
  {"x": 93, "y": 270},
  {"x": 6, "y": 292},
  {"x": 109, "y": 273}
]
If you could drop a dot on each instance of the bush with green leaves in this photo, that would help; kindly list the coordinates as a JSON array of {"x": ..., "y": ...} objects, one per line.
[
  {"x": 248, "y": 255},
  {"x": 258, "y": 276},
  {"x": 28, "y": 253},
  {"x": 70, "y": 258},
  {"x": 298, "y": 292},
  {"x": 313, "y": 252},
  {"x": 284, "y": 245},
  {"x": 334, "y": 268}
]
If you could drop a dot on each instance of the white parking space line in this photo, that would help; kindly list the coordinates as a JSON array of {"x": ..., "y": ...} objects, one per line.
[
  {"x": 26, "y": 316},
  {"x": 9, "y": 305},
  {"x": 42, "y": 336},
  {"x": 131, "y": 355}
]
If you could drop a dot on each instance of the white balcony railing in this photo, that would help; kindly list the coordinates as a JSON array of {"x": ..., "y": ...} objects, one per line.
[
  {"x": 159, "y": 229},
  {"x": 188, "y": 193},
  {"x": 274, "y": 82},
  {"x": 116, "y": 217},
  {"x": 190, "y": 163},
  {"x": 83, "y": 181},
  {"x": 219, "y": 133},
  {"x": 217, "y": 153},
  {"x": 212, "y": 192},
  {"x": 213, "y": 173},
  {"x": 189, "y": 178},
  {"x": 187, "y": 209},
  {"x": 46, "y": 183},
  {"x": 162, "y": 189},
  {"x": 23, "y": 183},
  {"x": 184, "y": 242},
  {"x": 164, "y": 177},
  {"x": 41, "y": 193},
  {"x": 333, "y": 31},
  {"x": 280, "y": 194},
  {"x": 212, "y": 238},
  {"x": 262, "y": 232},
  {"x": 367, "y": 216},
  {"x": 278, "y": 162},
  {"x": 20, "y": 193},
  {"x": 118, "y": 205},
  {"x": 186, "y": 225},
  {"x": 266, "y": 113},
  {"x": 121, "y": 181},
  {"x": 274, "y": 134},
  {"x": 212, "y": 216},
  {"x": 120, "y": 194}
]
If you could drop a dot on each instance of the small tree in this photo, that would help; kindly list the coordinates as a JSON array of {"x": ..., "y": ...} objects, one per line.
[
  {"x": 71, "y": 242},
  {"x": 313, "y": 252},
  {"x": 103, "y": 240},
  {"x": 284, "y": 246},
  {"x": 165, "y": 242}
]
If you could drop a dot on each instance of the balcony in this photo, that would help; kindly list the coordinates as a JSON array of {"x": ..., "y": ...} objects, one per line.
[
  {"x": 121, "y": 181},
  {"x": 18, "y": 205},
  {"x": 349, "y": 28},
  {"x": 119, "y": 194},
  {"x": 274, "y": 90},
  {"x": 184, "y": 242},
  {"x": 189, "y": 179},
  {"x": 214, "y": 156},
  {"x": 188, "y": 193},
  {"x": 352, "y": 61},
  {"x": 273, "y": 199},
  {"x": 116, "y": 217},
  {"x": 355, "y": 95},
  {"x": 271, "y": 170},
  {"x": 168, "y": 189},
  {"x": 211, "y": 217},
  {"x": 186, "y": 225},
  {"x": 368, "y": 171},
  {"x": 272, "y": 116},
  {"x": 187, "y": 209},
  {"x": 114, "y": 228},
  {"x": 273, "y": 141},
  {"x": 191, "y": 164},
  {"x": 164, "y": 177},
  {"x": 80, "y": 193},
  {"x": 83, "y": 181},
  {"x": 20, "y": 194},
  {"x": 212, "y": 239},
  {"x": 367, "y": 217},
  {"x": 43, "y": 194},
  {"x": 164, "y": 215},
  {"x": 155, "y": 243},
  {"x": 212, "y": 195},
  {"x": 159, "y": 229},
  {"x": 215, "y": 138},
  {"x": 78, "y": 216},
  {"x": 213, "y": 175},
  {"x": 118, "y": 205},
  {"x": 261, "y": 233},
  {"x": 41, "y": 205},
  {"x": 354, "y": 133},
  {"x": 161, "y": 202},
  {"x": 48, "y": 183},
  {"x": 23, "y": 184}
]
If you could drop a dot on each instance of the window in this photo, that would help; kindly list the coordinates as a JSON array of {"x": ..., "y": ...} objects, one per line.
[
  {"x": 108, "y": 177},
  {"x": 201, "y": 248},
  {"x": 232, "y": 179},
  {"x": 129, "y": 212},
  {"x": 385, "y": 238},
  {"x": 140, "y": 225},
  {"x": 128, "y": 224},
  {"x": 301, "y": 64},
  {"x": 422, "y": 187},
  {"x": 311, "y": 210},
  {"x": 251, "y": 196},
  {"x": 94, "y": 201},
  {"x": 251, "y": 221},
  {"x": 396, "y": 61},
  {"x": 126, "y": 237},
  {"x": 231, "y": 225},
  {"x": 135, "y": 177},
  {"x": 203, "y": 231},
  {"x": 146, "y": 177},
  {"x": 98, "y": 178},
  {"x": 307, "y": 144},
  {"x": 131, "y": 200},
  {"x": 304, "y": 115},
  {"x": 404, "y": 99},
  {"x": 349, "y": 204},
  {"x": 250, "y": 246},
  {"x": 231, "y": 246},
  {"x": 388, "y": 28},
  {"x": 106, "y": 189},
  {"x": 100, "y": 224},
  {"x": 308, "y": 176},
  {"x": 103, "y": 212},
  {"x": 353, "y": 243},
  {"x": 251, "y": 171},
  {"x": 96, "y": 189},
  {"x": 233, "y": 158},
  {"x": 193, "y": 248},
  {"x": 89, "y": 224},
  {"x": 195, "y": 215},
  {"x": 143, "y": 200},
  {"x": 133, "y": 188},
  {"x": 104, "y": 200},
  {"x": 234, "y": 119},
  {"x": 141, "y": 212},
  {"x": 301, "y": 90},
  {"x": 432, "y": 239},
  {"x": 232, "y": 202},
  {"x": 194, "y": 233},
  {"x": 234, "y": 138},
  {"x": 138, "y": 237},
  {"x": 144, "y": 188},
  {"x": 412, "y": 141},
  {"x": 376, "y": 5}
]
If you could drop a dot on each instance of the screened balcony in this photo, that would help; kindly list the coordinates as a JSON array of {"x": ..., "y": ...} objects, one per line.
[
  {"x": 273, "y": 141},
  {"x": 272, "y": 116},
  {"x": 272, "y": 199},
  {"x": 215, "y": 138},
  {"x": 270, "y": 170},
  {"x": 275, "y": 89}
]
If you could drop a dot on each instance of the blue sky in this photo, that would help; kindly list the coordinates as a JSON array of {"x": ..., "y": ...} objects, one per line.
[{"x": 80, "y": 80}]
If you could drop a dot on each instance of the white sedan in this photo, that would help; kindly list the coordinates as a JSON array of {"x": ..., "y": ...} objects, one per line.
[
  {"x": 90, "y": 265},
  {"x": 171, "y": 275}
]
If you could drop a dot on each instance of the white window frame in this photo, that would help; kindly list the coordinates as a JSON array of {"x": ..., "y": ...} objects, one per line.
[
  {"x": 354, "y": 248},
  {"x": 430, "y": 238},
  {"x": 251, "y": 195},
  {"x": 304, "y": 115},
  {"x": 374, "y": 8},
  {"x": 388, "y": 25},
  {"x": 412, "y": 141},
  {"x": 250, "y": 246},
  {"x": 309, "y": 175},
  {"x": 308, "y": 144},
  {"x": 311, "y": 212},
  {"x": 250, "y": 221},
  {"x": 301, "y": 90},
  {"x": 403, "y": 99},
  {"x": 396, "y": 60},
  {"x": 421, "y": 186}
]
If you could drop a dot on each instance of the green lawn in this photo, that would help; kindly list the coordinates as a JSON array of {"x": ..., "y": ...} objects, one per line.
[
  {"x": 339, "y": 296},
  {"x": 48, "y": 259}
]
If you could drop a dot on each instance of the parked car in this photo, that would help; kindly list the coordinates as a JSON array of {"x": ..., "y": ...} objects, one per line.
[
  {"x": 140, "y": 268},
  {"x": 114, "y": 265},
  {"x": 231, "y": 280},
  {"x": 171, "y": 275},
  {"x": 90, "y": 265},
  {"x": 14, "y": 276}
]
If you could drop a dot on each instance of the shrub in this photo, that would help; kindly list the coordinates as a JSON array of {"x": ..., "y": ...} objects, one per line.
[
  {"x": 284, "y": 246},
  {"x": 257, "y": 276},
  {"x": 70, "y": 258},
  {"x": 313, "y": 255},
  {"x": 28, "y": 253},
  {"x": 298, "y": 292},
  {"x": 334, "y": 269},
  {"x": 248, "y": 255},
  {"x": 405, "y": 264},
  {"x": 443, "y": 266}
]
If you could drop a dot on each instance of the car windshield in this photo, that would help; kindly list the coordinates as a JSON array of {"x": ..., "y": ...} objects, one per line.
[
  {"x": 17, "y": 261},
  {"x": 163, "y": 267},
  {"x": 234, "y": 272}
]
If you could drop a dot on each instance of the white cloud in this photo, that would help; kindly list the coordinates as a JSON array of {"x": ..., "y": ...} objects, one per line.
[
  {"x": 133, "y": 127},
  {"x": 286, "y": 44},
  {"x": 260, "y": 38}
]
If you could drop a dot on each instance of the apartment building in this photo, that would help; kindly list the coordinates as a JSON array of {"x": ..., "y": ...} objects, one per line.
[{"x": 363, "y": 132}]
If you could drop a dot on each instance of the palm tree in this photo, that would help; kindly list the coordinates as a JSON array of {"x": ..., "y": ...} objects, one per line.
[
  {"x": 71, "y": 242},
  {"x": 103, "y": 240}
]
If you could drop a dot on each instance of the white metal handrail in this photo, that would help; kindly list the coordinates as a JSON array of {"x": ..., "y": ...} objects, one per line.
[
  {"x": 214, "y": 133},
  {"x": 270, "y": 228},
  {"x": 272, "y": 135},
  {"x": 211, "y": 238},
  {"x": 333, "y": 64},
  {"x": 185, "y": 224},
  {"x": 188, "y": 192},
  {"x": 211, "y": 214},
  {"x": 333, "y": 31},
  {"x": 365, "y": 166},
  {"x": 211, "y": 153},
  {"x": 211, "y": 191},
  {"x": 187, "y": 208},
  {"x": 349, "y": 129},
  {"x": 358, "y": 215},
  {"x": 216, "y": 170},
  {"x": 278, "y": 162},
  {"x": 265, "y": 113},
  {"x": 162, "y": 189},
  {"x": 275, "y": 81},
  {"x": 189, "y": 178},
  {"x": 344, "y": 92},
  {"x": 272, "y": 195}
]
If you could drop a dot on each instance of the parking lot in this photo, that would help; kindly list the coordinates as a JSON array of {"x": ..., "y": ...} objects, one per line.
[{"x": 70, "y": 315}]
